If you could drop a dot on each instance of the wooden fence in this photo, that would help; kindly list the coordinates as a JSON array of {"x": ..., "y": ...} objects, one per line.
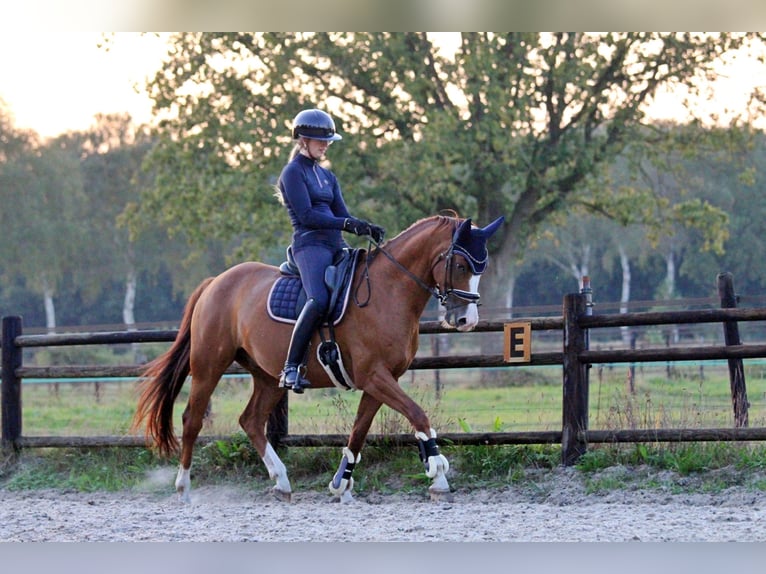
[{"x": 575, "y": 358}]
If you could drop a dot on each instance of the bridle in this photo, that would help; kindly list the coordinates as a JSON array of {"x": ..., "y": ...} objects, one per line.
[{"x": 449, "y": 297}]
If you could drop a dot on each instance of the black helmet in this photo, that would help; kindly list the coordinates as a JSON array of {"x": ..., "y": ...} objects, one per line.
[{"x": 316, "y": 125}]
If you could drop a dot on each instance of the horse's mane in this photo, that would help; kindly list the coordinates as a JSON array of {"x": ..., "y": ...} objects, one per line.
[{"x": 441, "y": 220}]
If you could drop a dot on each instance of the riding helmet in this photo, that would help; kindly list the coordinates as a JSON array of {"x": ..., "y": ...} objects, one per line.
[{"x": 315, "y": 124}]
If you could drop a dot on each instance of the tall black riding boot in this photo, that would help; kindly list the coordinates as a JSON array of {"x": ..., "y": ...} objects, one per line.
[{"x": 308, "y": 320}]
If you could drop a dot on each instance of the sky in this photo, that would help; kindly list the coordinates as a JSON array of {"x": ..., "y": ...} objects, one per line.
[{"x": 59, "y": 84}]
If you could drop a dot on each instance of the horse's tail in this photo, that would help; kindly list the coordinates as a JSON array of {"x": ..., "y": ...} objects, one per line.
[{"x": 162, "y": 380}]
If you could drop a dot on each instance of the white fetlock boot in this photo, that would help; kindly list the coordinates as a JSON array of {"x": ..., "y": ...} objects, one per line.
[
  {"x": 342, "y": 483},
  {"x": 436, "y": 465}
]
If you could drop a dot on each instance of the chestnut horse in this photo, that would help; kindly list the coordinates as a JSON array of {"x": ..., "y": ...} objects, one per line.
[{"x": 226, "y": 320}]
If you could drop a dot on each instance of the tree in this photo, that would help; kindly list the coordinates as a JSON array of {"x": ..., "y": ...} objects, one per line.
[
  {"x": 735, "y": 185},
  {"x": 521, "y": 124},
  {"x": 114, "y": 150},
  {"x": 42, "y": 190},
  {"x": 14, "y": 142}
]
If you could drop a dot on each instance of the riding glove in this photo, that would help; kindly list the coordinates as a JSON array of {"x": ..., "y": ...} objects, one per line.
[
  {"x": 362, "y": 227},
  {"x": 356, "y": 226},
  {"x": 377, "y": 233}
]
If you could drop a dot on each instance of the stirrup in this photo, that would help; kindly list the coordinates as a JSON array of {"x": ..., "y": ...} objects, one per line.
[{"x": 291, "y": 378}]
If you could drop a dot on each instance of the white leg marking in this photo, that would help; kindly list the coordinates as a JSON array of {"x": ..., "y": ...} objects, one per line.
[
  {"x": 183, "y": 484},
  {"x": 277, "y": 470}
]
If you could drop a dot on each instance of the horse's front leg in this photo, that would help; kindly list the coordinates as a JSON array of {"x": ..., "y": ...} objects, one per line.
[
  {"x": 342, "y": 483},
  {"x": 436, "y": 465},
  {"x": 387, "y": 390}
]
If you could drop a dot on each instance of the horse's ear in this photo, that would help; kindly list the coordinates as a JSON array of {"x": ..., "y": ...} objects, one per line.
[
  {"x": 487, "y": 231},
  {"x": 463, "y": 232}
]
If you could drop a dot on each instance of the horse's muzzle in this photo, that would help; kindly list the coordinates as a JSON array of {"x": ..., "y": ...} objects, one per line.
[{"x": 463, "y": 317}]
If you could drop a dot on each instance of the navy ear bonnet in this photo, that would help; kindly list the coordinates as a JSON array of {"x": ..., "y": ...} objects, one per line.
[{"x": 471, "y": 243}]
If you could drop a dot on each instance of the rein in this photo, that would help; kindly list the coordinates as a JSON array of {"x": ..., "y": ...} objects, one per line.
[
  {"x": 434, "y": 291},
  {"x": 441, "y": 297},
  {"x": 366, "y": 275}
]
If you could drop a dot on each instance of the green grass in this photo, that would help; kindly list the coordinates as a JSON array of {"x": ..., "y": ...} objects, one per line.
[
  {"x": 503, "y": 400},
  {"x": 674, "y": 468},
  {"x": 83, "y": 470},
  {"x": 677, "y": 468}
]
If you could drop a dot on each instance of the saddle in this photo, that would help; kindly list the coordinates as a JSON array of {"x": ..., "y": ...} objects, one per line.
[{"x": 287, "y": 298}]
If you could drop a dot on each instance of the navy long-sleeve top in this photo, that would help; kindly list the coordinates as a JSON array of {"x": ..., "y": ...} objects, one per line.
[{"x": 314, "y": 202}]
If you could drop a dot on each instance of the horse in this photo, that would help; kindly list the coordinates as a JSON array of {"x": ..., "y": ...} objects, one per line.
[{"x": 226, "y": 320}]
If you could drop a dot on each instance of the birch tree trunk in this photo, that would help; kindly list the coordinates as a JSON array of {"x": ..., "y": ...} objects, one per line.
[
  {"x": 129, "y": 302},
  {"x": 128, "y": 312},
  {"x": 670, "y": 287},
  {"x": 625, "y": 292},
  {"x": 582, "y": 268},
  {"x": 50, "y": 307},
  {"x": 510, "y": 285}
]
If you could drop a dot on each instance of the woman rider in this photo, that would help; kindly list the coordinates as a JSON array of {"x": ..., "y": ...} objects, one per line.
[{"x": 318, "y": 214}]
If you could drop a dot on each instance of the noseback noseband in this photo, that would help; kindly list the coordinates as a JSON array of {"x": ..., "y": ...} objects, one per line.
[{"x": 460, "y": 296}]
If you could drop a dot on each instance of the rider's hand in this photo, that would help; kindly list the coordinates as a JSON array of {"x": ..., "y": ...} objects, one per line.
[
  {"x": 357, "y": 226},
  {"x": 377, "y": 233}
]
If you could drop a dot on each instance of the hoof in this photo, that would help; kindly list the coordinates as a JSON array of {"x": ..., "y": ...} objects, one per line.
[
  {"x": 281, "y": 495},
  {"x": 346, "y": 497},
  {"x": 441, "y": 495}
]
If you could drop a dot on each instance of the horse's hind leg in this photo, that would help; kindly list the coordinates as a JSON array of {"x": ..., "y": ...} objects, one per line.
[
  {"x": 266, "y": 395},
  {"x": 202, "y": 388},
  {"x": 342, "y": 483}
]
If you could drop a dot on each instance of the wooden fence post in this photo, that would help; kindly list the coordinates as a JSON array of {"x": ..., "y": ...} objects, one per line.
[
  {"x": 731, "y": 337},
  {"x": 436, "y": 352},
  {"x": 11, "y": 385},
  {"x": 575, "y": 400}
]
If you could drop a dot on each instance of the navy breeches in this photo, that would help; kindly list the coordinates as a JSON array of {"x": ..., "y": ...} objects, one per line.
[{"x": 312, "y": 261}]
